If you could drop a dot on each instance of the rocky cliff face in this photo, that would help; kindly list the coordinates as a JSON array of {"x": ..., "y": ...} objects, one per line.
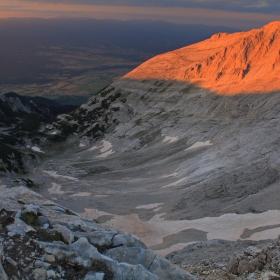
[
  {"x": 245, "y": 62},
  {"x": 40, "y": 239}
]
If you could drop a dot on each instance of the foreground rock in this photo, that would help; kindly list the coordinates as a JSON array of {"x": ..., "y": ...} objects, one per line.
[
  {"x": 42, "y": 240},
  {"x": 220, "y": 259}
]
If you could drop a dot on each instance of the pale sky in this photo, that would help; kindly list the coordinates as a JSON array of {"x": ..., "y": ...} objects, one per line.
[{"x": 244, "y": 14}]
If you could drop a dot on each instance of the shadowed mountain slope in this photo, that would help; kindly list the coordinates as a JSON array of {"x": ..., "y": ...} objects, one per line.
[
  {"x": 244, "y": 62},
  {"x": 20, "y": 120}
]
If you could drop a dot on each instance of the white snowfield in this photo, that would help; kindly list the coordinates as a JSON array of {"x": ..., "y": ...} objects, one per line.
[
  {"x": 93, "y": 148},
  {"x": 106, "y": 149},
  {"x": 55, "y": 189},
  {"x": 199, "y": 145},
  {"x": 169, "y": 175},
  {"x": 81, "y": 194},
  {"x": 149, "y": 206},
  {"x": 170, "y": 139},
  {"x": 226, "y": 227},
  {"x": 37, "y": 149},
  {"x": 82, "y": 145},
  {"x": 176, "y": 183},
  {"x": 57, "y": 176}
]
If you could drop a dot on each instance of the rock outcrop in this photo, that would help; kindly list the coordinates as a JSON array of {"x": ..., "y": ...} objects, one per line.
[
  {"x": 257, "y": 260},
  {"x": 220, "y": 259},
  {"x": 244, "y": 62},
  {"x": 42, "y": 240}
]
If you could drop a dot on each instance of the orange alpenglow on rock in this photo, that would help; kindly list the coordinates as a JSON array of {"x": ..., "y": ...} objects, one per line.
[{"x": 243, "y": 62}]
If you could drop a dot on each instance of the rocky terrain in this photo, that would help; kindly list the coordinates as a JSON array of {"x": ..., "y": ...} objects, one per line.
[
  {"x": 220, "y": 259},
  {"x": 170, "y": 161},
  {"x": 20, "y": 120},
  {"x": 225, "y": 63},
  {"x": 43, "y": 240}
]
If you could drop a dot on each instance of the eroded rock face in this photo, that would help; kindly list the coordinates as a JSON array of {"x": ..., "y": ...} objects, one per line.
[
  {"x": 40, "y": 241},
  {"x": 244, "y": 62},
  {"x": 253, "y": 259},
  {"x": 232, "y": 260}
]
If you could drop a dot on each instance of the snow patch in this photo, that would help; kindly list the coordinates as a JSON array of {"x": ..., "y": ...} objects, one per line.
[
  {"x": 265, "y": 234},
  {"x": 55, "y": 175},
  {"x": 37, "y": 149},
  {"x": 199, "y": 145},
  {"x": 106, "y": 149},
  {"x": 169, "y": 175},
  {"x": 104, "y": 155},
  {"x": 170, "y": 139},
  {"x": 149, "y": 206},
  {"x": 228, "y": 226},
  {"x": 81, "y": 194},
  {"x": 55, "y": 189},
  {"x": 93, "y": 148},
  {"x": 174, "y": 184},
  {"x": 81, "y": 145},
  {"x": 157, "y": 209},
  {"x": 106, "y": 146}
]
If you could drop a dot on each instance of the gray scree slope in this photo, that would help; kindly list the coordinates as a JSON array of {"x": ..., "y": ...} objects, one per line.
[{"x": 169, "y": 149}]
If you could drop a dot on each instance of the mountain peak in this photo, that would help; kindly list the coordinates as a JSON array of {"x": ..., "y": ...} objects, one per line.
[
  {"x": 273, "y": 25},
  {"x": 243, "y": 62}
]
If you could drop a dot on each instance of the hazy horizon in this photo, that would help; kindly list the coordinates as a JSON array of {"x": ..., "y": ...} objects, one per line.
[{"x": 243, "y": 15}]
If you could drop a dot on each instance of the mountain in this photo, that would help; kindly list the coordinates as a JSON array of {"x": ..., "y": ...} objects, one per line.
[
  {"x": 13, "y": 104},
  {"x": 21, "y": 119},
  {"x": 225, "y": 63},
  {"x": 173, "y": 161}
]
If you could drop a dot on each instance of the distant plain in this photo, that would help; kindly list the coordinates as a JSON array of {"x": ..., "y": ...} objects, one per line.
[{"x": 70, "y": 60}]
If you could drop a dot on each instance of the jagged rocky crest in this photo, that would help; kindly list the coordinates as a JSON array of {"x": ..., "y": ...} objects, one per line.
[{"x": 245, "y": 62}]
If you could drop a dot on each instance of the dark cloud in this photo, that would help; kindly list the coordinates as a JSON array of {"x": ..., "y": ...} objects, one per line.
[{"x": 263, "y": 6}]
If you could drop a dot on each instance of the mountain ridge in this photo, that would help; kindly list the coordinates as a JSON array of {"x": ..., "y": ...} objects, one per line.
[{"x": 243, "y": 62}]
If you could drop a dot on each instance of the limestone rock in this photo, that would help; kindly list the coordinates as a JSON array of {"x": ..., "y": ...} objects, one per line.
[
  {"x": 133, "y": 255},
  {"x": 3, "y": 275},
  {"x": 152, "y": 262},
  {"x": 163, "y": 268},
  {"x": 80, "y": 252},
  {"x": 94, "y": 276},
  {"x": 43, "y": 220},
  {"x": 97, "y": 238},
  {"x": 39, "y": 272},
  {"x": 66, "y": 233},
  {"x": 32, "y": 208},
  {"x": 51, "y": 274},
  {"x": 135, "y": 272},
  {"x": 50, "y": 258},
  {"x": 127, "y": 258},
  {"x": 128, "y": 240},
  {"x": 19, "y": 227}
]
